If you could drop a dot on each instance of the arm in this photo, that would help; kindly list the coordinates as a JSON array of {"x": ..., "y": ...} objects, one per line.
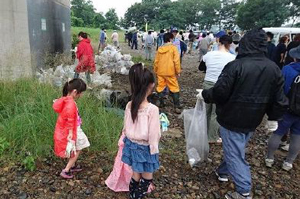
[
  {"x": 222, "y": 90},
  {"x": 154, "y": 131},
  {"x": 177, "y": 61},
  {"x": 155, "y": 66},
  {"x": 79, "y": 52},
  {"x": 279, "y": 104},
  {"x": 71, "y": 117}
]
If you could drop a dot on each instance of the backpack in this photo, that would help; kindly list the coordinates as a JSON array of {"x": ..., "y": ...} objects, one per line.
[{"x": 294, "y": 96}]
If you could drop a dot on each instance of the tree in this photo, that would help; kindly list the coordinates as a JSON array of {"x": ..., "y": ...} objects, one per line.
[
  {"x": 99, "y": 21},
  {"x": 294, "y": 9},
  {"x": 262, "y": 13},
  {"x": 112, "y": 19},
  {"x": 209, "y": 13},
  {"x": 83, "y": 9},
  {"x": 228, "y": 13}
]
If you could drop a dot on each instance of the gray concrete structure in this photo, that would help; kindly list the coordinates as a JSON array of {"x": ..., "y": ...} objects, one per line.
[{"x": 29, "y": 30}]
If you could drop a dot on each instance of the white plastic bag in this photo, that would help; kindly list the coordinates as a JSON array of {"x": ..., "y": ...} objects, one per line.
[
  {"x": 70, "y": 148},
  {"x": 195, "y": 127}
]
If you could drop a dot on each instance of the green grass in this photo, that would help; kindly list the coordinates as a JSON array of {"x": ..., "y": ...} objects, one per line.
[
  {"x": 27, "y": 120},
  {"x": 94, "y": 34},
  {"x": 141, "y": 59}
]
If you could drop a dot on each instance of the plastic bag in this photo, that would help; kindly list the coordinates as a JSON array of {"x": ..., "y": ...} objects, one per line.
[
  {"x": 195, "y": 127},
  {"x": 164, "y": 121},
  {"x": 70, "y": 148}
]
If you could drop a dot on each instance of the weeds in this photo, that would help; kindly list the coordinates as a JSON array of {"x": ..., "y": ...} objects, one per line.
[
  {"x": 29, "y": 163},
  {"x": 140, "y": 59},
  {"x": 27, "y": 120}
]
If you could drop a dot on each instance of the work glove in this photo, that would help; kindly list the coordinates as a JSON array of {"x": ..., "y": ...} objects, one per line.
[
  {"x": 199, "y": 95},
  {"x": 272, "y": 126}
]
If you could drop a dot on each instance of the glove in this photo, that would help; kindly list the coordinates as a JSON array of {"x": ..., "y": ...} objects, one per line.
[
  {"x": 272, "y": 126},
  {"x": 199, "y": 95}
]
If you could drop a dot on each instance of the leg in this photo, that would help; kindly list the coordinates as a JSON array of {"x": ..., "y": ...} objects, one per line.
[
  {"x": 145, "y": 182},
  {"x": 134, "y": 185},
  {"x": 88, "y": 77},
  {"x": 234, "y": 146},
  {"x": 173, "y": 85},
  {"x": 161, "y": 85},
  {"x": 213, "y": 124},
  {"x": 76, "y": 75},
  {"x": 72, "y": 161},
  {"x": 295, "y": 141}
]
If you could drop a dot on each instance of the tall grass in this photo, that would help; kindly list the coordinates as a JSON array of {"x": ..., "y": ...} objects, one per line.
[{"x": 27, "y": 119}]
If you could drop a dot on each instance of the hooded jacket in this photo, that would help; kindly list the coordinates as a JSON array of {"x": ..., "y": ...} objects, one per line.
[
  {"x": 290, "y": 72},
  {"x": 85, "y": 55},
  {"x": 67, "y": 120},
  {"x": 167, "y": 61},
  {"x": 249, "y": 87}
]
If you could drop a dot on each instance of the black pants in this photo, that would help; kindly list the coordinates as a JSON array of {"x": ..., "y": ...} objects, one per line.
[{"x": 134, "y": 43}]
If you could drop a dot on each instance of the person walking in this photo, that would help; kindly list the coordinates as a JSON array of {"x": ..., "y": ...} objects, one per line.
[
  {"x": 191, "y": 41},
  {"x": 176, "y": 40},
  {"x": 271, "y": 48},
  {"x": 215, "y": 62},
  {"x": 160, "y": 39},
  {"x": 280, "y": 52},
  {"x": 130, "y": 38},
  {"x": 102, "y": 40},
  {"x": 115, "y": 39},
  {"x": 295, "y": 43},
  {"x": 247, "y": 89},
  {"x": 134, "y": 41},
  {"x": 203, "y": 46},
  {"x": 85, "y": 55},
  {"x": 291, "y": 119},
  {"x": 167, "y": 69},
  {"x": 149, "y": 44}
]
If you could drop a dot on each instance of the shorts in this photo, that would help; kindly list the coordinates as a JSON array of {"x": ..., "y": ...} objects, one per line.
[{"x": 82, "y": 141}]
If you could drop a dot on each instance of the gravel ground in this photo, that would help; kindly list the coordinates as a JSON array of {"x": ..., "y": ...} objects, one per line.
[{"x": 175, "y": 179}]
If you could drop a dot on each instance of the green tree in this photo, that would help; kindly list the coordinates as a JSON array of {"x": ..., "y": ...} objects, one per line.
[
  {"x": 262, "y": 13},
  {"x": 83, "y": 9},
  {"x": 99, "y": 21},
  {"x": 112, "y": 19},
  {"x": 294, "y": 9},
  {"x": 209, "y": 13},
  {"x": 228, "y": 13}
]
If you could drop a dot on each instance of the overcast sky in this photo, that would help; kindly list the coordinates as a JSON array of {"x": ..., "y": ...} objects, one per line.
[{"x": 120, "y": 5}]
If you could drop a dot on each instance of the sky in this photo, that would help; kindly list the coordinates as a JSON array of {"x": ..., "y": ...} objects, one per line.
[{"x": 121, "y": 6}]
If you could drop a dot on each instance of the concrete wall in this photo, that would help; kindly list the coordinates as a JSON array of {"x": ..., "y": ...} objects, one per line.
[
  {"x": 15, "y": 57},
  {"x": 49, "y": 28}
]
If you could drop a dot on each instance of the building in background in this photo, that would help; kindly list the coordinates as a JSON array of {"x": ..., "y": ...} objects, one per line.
[{"x": 31, "y": 29}]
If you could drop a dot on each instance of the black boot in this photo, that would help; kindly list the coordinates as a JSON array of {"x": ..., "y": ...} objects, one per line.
[
  {"x": 133, "y": 188},
  {"x": 161, "y": 100},
  {"x": 176, "y": 102},
  {"x": 143, "y": 188}
]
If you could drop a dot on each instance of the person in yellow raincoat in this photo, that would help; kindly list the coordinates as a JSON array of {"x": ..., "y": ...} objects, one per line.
[{"x": 167, "y": 69}]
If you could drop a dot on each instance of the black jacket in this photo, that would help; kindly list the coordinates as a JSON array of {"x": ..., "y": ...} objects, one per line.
[{"x": 247, "y": 89}]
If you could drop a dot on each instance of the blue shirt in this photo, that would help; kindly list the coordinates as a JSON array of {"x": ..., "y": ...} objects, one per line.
[
  {"x": 290, "y": 72},
  {"x": 176, "y": 42},
  {"x": 102, "y": 36}
]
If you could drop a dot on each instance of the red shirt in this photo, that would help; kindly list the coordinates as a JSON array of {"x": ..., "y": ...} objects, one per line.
[{"x": 85, "y": 55}]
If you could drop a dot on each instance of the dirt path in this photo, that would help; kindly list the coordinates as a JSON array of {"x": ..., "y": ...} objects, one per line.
[{"x": 175, "y": 179}]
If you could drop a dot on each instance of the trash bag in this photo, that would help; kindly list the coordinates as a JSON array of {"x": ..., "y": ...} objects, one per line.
[
  {"x": 195, "y": 128},
  {"x": 164, "y": 122}
]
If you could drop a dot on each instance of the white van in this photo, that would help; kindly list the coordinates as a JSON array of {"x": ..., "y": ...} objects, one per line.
[{"x": 280, "y": 32}]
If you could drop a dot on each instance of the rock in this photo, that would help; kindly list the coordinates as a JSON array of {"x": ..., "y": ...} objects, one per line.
[
  {"x": 53, "y": 189},
  {"x": 100, "y": 170},
  {"x": 88, "y": 192},
  {"x": 22, "y": 196},
  {"x": 71, "y": 183}
]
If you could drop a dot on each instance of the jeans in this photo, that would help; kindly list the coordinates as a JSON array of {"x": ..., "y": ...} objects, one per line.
[
  {"x": 289, "y": 122},
  {"x": 211, "y": 117},
  {"x": 234, "y": 163},
  {"x": 148, "y": 52},
  {"x": 87, "y": 75}
]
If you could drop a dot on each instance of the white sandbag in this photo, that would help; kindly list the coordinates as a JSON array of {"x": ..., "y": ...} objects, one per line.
[
  {"x": 59, "y": 71},
  {"x": 124, "y": 71},
  {"x": 127, "y": 57},
  {"x": 195, "y": 127}
]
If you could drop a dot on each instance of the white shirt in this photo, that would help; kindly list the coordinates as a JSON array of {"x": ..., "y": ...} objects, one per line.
[
  {"x": 115, "y": 36},
  {"x": 215, "y": 62}
]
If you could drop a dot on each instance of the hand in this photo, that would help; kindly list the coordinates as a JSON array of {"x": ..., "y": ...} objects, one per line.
[
  {"x": 272, "y": 126},
  {"x": 199, "y": 95},
  {"x": 70, "y": 136},
  {"x": 178, "y": 75}
]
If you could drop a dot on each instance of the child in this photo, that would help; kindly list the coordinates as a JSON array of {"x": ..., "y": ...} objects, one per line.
[
  {"x": 85, "y": 55},
  {"x": 167, "y": 68},
  {"x": 142, "y": 131},
  {"x": 68, "y": 125}
]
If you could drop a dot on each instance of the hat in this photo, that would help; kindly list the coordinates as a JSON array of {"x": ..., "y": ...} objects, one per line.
[
  {"x": 295, "y": 52},
  {"x": 174, "y": 30},
  {"x": 220, "y": 34}
]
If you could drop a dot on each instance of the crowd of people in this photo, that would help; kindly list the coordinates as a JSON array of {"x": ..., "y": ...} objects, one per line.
[{"x": 243, "y": 83}]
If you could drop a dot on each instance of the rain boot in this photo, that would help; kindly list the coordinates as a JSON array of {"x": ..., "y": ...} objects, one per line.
[
  {"x": 176, "y": 102},
  {"x": 161, "y": 100}
]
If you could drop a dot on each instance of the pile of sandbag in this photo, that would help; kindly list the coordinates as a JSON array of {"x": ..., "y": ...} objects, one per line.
[
  {"x": 62, "y": 74},
  {"x": 112, "y": 60}
]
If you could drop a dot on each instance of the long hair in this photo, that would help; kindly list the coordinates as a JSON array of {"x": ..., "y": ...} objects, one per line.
[
  {"x": 140, "y": 78},
  {"x": 77, "y": 84}
]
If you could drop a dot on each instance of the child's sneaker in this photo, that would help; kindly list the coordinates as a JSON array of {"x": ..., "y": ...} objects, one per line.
[
  {"x": 236, "y": 195},
  {"x": 269, "y": 162},
  {"x": 287, "y": 166},
  {"x": 286, "y": 147},
  {"x": 76, "y": 168},
  {"x": 66, "y": 175}
]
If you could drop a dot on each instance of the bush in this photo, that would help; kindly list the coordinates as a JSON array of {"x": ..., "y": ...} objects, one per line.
[{"x": 27, "y": 120}]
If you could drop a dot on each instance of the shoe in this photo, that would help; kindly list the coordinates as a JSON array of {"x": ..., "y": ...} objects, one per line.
[
  {"x": 269, "y": 162},
  {"x": 286, "y": 147},
  {"x": 66, "y": 175},
  {"x": 222, "y": 177},
  {"x": 287, "y": 166},
  {"x": 236, "y": 195},
  {"x": 283, "y": 143},
  {"x": 76, "y": 168}
]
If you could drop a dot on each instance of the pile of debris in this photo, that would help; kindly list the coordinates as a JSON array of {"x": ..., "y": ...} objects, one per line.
[
  {"x": 113, "y": 61},
  {"x": 62, "y": 74}
]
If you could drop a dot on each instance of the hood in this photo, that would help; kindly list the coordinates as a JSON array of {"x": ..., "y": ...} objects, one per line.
[
  {"x": 60, "y": 103},
  {"x": 86, "y": 41},
  {"x": 165, "y": 48},
  {"x": 296, "y": 66},
  {"x": 254, "y": 42}
]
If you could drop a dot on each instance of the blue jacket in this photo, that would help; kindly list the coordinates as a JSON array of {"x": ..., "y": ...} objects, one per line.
[
  {"x": 102, "y": 36},
  {"x": 290, "y": 72}
]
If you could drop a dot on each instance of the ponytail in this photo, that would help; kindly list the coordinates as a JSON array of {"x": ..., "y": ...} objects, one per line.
[
  {"x": 140, "y": 78},
  {"x": 76, "y": 84}
]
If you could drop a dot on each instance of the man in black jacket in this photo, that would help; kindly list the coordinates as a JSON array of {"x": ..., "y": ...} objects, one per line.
[{"x": 248, "y": 88}]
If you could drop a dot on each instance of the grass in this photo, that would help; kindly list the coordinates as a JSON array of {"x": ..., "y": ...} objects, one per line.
[
  {"x": 27, "y": 120},
  {"x": 95, "y": 33},
  {"x": 141, "y": 59}
]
